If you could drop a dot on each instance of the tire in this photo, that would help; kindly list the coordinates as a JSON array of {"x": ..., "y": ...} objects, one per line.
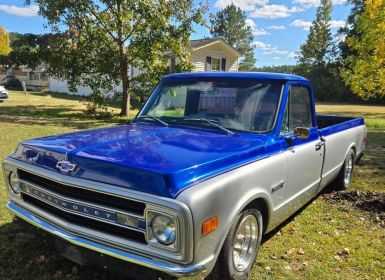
[
  {"x": 346, "y": 173},
  {"x": 230, "y": 265}
]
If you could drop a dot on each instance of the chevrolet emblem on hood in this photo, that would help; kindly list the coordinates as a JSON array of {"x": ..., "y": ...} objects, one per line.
[{"x": 65, "y": 166}]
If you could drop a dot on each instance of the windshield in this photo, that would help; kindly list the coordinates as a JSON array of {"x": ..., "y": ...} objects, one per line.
[{"x": 235, "y": 104}]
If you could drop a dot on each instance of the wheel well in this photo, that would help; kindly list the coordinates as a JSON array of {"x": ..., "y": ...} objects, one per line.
[
  {"x": 354, "y": 150},
  {"x": 353, "y": 147},
  {"x": 262, "y": 206}
]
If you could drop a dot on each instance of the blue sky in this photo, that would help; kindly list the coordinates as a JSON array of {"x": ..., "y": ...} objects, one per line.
[{"x": 280, "y": 26}]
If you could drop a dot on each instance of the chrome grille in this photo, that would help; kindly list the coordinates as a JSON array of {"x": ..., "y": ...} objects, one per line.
[
  {"x": 71, "y": 204},
  {"x": 72, "y": 192}
]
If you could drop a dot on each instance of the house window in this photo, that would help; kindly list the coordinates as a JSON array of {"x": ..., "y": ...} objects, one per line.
[
  {"x": 34, "y": 76},
  {"x": 215, "y": 64}
]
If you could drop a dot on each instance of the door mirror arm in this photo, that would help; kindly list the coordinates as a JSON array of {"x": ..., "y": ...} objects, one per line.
[{"x": 289, "y": 139}]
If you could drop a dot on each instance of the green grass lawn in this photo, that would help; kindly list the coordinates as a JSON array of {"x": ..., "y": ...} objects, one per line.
[{"x": 323, "y": 241}]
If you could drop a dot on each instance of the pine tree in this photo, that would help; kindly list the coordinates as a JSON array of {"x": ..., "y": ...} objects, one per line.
[
  {"x": 319, "y": 48},
  {"x": 317, "y": 57},
  {"x": 230, "y": 24}
]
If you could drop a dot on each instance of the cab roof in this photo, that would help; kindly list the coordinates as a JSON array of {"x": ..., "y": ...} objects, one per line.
[{"x": 236, "y": 75}]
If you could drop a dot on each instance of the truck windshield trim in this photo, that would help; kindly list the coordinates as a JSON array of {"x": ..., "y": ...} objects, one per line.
[{"x": 244, "y": 105}]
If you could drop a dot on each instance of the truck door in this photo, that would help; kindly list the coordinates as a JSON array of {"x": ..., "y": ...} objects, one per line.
[{"x": 304, "y": 156}]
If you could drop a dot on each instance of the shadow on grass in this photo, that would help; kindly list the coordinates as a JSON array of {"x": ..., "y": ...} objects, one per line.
[
  {"x": 30, "y": 253},
  {"x": 328, "y": 189},
  {"x": 54, "y": 115},
  {"x": 72, "y": 97},
  {"x": 41, "y": 111},
  {"x": 56, "y": 95}
]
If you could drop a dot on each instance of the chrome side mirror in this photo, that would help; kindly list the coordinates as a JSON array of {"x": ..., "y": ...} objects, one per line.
[{"x": 302, "y": 132}]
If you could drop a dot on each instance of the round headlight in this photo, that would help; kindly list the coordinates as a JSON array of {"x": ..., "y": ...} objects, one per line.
[
  {"x": 164, "y": 229},
  {"x": 14, "y": 182}
]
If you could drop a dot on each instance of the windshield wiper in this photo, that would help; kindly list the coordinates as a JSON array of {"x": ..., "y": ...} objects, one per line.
[
  {"x": 153, "y": 118},
  {"x": 210, "y": 122}
]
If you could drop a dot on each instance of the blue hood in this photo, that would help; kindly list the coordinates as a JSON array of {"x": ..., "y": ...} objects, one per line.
[{"x": 145, "y": 157}]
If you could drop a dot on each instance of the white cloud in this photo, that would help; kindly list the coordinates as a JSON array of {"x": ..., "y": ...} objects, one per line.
[
  {"x": 337, "y": 23},
  {"x": 276, "y": 27},
  {"x": 268, "y": 49},
  {"x": 27, "y": 11},
  {"x": 315, "y": 3},
  {"x": 305, "y": 25},
  {"x": 275, "y": 11},
  {"x": 262, "y": 45},
  {"x": 245, "y": 5},
  {"x": 276, "y": 58},
  {"x": 256, "y": 31},
  {"x": 300, "y": 23}
]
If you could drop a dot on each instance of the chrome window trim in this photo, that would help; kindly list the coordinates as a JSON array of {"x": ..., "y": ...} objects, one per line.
[{"x": 183, "y": 255}]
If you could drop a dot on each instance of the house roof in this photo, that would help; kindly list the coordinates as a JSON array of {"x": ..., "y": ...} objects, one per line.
[
  {"x": 205, "y": 42},
  {"x": 236, "y": 75}
]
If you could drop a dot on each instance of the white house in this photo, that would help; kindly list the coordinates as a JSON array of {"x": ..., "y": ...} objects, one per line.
[
  {"x": 35, "y": 79},
  {"x": 213, "y": 54},
  {"x": 209, "y": 54}
]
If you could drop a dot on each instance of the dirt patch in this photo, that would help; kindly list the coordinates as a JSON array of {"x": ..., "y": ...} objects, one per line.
[{"x": 369, "y": 201}]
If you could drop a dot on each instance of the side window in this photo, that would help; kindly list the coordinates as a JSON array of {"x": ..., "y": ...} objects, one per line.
[{"x": 298, "y": 110}]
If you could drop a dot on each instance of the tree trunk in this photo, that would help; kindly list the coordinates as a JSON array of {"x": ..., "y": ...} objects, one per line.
[
  {"x": 123, "y": 65},
  {"x": 125, "y": 110}
]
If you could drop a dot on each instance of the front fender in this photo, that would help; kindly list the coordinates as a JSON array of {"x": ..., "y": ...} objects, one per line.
[{"x": 225, "y": 196}]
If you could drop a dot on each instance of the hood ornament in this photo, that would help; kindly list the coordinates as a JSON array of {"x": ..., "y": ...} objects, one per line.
[{"x": 65, "y": 166}]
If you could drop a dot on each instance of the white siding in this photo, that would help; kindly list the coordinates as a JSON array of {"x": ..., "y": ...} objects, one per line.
[
  {"x": 61, "y": 85},
  {"x": 217, "y": 51}
]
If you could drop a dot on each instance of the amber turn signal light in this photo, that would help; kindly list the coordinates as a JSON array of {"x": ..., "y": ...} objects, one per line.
[{"x": 209, "y": 225}]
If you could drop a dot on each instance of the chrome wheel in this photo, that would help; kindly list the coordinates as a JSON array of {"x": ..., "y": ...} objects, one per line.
[
  {"x": 245, "y": 243},
  {"x": 348, "y": 170}
]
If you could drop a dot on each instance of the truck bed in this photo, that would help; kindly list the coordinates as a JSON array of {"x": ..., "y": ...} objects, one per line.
[{"x": 329, "y": 124}]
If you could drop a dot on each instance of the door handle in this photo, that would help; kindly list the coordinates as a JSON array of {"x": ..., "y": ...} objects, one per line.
[{"x": 319, "y": 145}]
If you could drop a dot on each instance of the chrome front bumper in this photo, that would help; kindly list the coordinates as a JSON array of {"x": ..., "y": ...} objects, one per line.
[{"x": 169, "y": 268}]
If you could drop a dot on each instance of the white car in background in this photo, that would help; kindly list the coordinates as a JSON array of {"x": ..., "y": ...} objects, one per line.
[{"x": 3, "y": 94}]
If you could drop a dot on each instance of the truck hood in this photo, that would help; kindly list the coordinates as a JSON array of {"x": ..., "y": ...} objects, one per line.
[{"x": 145, "y": 157}]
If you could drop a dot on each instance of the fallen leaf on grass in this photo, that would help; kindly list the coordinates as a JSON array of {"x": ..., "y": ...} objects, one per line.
[
  {"x": 294, "y": 266},
  {"x": 288, "y": 267},
  {"x": 342, "y": 254},
  {"x": 337, "y": 257},
  {"x": 300, "y": 251}
]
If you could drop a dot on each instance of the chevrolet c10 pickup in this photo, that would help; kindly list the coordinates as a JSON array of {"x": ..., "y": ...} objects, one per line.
[{"x": 211, "y": 163}]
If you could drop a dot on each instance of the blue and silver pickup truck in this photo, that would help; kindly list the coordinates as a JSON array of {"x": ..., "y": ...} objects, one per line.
[{"x": 212, "y": 162}]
